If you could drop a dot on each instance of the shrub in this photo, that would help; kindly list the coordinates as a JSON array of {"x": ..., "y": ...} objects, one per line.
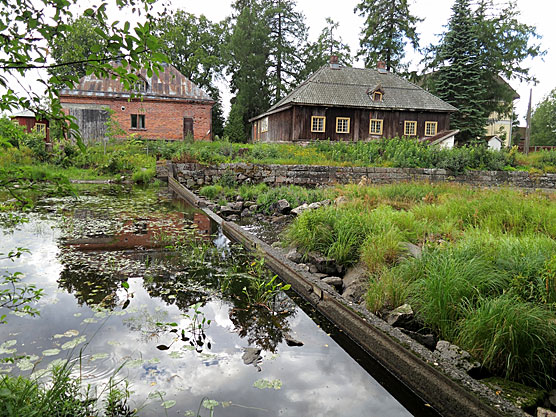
[
  {"x": 511, "y": 338},
  {"x": 144, "y": 175},
  {"x": 211, "y": 191}
]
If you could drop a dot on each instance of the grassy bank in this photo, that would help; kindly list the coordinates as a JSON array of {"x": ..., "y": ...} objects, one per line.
[{"x": 486, "y": 279}]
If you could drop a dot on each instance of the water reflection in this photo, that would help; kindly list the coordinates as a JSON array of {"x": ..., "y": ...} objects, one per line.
[{"x": 247, "y": 370}]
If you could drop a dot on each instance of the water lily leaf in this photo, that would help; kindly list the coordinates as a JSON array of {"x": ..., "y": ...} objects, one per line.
[
  {"x": 57, "y": 363},
  {"x": 134, "y": 363},
  {"x": 168, "y": 404},
  {"x": 4, "y": 347},
  {"x": 153, "y": 361},
  {"x": 210, "y": 404},
  {"x": 73, "y": 343},
  {"x": 98, "y": 356},
  {"x": 176, "y": 354},
  {"x": 90, "y": 320},
  {"x": 50, "y": 352},
  {"x": 77, "y": 314},
  {"x": 25, "y": 364},
  {"x": 268, "y": 384}
]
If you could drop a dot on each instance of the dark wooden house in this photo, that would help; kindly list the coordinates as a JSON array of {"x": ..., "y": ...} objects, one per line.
[
  {"x": 353, "y": 104},
  {"x": 31, "y": 123}
]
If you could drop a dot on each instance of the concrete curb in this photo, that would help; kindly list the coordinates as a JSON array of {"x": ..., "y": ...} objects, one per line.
[{"x": 451, "y": 392}]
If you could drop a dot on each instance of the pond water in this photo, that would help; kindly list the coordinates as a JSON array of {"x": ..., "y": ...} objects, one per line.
[{"x": 185, "y": 331}]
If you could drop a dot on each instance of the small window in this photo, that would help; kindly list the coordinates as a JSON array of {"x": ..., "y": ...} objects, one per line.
[
  {"x": 410, "y": 128},
  {"x": 342, "y": 124},
  {"x": 377, "y": 96},
  {"x": 140, "y": 86},
  {"x": 138, "y": 121},
  {"x": 430, "y": 128},
  {"x": 41, "y": 129},
  {"x": 318, "y": 123},
  {"x": 375, "y": 127},
  {"x": 264, "y": 125}
]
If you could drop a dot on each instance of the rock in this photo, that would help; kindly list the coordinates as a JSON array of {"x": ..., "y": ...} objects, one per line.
[
  {"x": 334, "y": 282},
  {"x": 281, "y": 206},
  {"x": 232, "y": 208},
  {"x": 246, "y": 213},
  {"x": 552, "y": 398},
  {"x": 543, "y": 412},
  {"x": 322, "y": 263},
  {"x": 313, "y": 269},
  {"x": 253, "y": 208},
  {"x": 233, "y": 218},
  {"x": 248, "y": 203},
  {"x": 457, "y": 356},
  {"x": 299, "y": 209},
  {"x": 399, "y": 316},
  {"x": 294, "y": 256},
  {"x": 427, "y": 340},
  {"x": 303, "y": 267},
  {"x": 239, "y": 198},
  {"x": 290, "y": 341},
  {"x": 252, "y": 356},
  {"x": 318, "y": 275},
  {"x": 413, "y": 250},
  {"x": 355, "y": 283}
]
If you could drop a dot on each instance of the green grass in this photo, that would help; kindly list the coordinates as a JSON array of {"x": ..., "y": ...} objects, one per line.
[{"x": 488, "y": 256}]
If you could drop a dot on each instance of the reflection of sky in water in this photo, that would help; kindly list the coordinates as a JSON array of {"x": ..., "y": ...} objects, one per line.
[{"x": 318, "y": 379}]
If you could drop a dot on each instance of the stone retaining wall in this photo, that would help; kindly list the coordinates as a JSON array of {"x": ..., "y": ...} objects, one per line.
[{"x": 195, "y": 175}]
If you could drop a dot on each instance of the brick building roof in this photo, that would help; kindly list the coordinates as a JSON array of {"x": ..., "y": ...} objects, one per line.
[{"x": 168, "y": 84}]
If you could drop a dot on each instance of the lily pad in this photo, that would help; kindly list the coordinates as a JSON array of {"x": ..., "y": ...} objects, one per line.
[
  {"x": 210, "y": 404},
  {"x": 73, "y": 343},
  {"x": 268, "y": 384},
  {"x": 134, "y": 363},
  {"x": 98, "y": 356},
  {"x": 50, "y": 352},
  {"x": 168, "y": 404},
  {"x": 90, "y": 320},
  {"x": 4, "y": 347}
]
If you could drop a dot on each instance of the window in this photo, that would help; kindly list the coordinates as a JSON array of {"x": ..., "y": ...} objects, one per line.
[
  {"x": 430, "y": 128},
  {"x": 41, "y": 128},
  {"x": 318, "y": 123},
  {"x": 375, "y": 127},
  {"x": 410, "y": 128},
  {"x": 138, "y": 121},
  {"x": 377, "y": 96},
  {"x": 264, "y": 125},
  {"x": 342, "y": 124},
  {"x": 140, "y": 85}
]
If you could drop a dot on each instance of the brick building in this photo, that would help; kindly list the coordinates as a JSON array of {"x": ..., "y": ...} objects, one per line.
[{"x": 170, "y": 107}]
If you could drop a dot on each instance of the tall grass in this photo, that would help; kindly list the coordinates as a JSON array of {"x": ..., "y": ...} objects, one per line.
[{"x": 512, "y": 338}]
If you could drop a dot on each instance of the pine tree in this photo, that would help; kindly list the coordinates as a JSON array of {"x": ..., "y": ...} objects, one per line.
[
  {"x": 287, "y": 40},
  {"x": 248, "y": 52},
  {"x": 459, "y": 81},
  {"x": 387, "y": 28},
  {"x": 329, "y": 43}
]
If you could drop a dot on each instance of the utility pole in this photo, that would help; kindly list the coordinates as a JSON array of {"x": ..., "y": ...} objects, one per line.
[{"x": 528, "y": 128}]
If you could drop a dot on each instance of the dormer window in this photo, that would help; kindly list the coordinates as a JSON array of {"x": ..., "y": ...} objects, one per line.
[
  {"x": 141, "y": 85},
  {"x": 377, "y": 96}
]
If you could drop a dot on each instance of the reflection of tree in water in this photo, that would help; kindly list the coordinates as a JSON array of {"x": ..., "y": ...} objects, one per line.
[{"x": 146, "y": 323}]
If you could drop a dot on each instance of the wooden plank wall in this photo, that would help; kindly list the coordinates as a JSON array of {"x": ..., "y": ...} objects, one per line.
[{"x": 294, "y": 124}]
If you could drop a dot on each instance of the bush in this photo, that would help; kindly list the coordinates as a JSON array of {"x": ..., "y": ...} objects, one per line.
[
  {"x": 511, "y": 338},
  {"x": 144, "y": 175}
]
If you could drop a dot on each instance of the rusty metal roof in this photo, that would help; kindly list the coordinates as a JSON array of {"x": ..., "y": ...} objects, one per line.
[{"x": 168, "y": 84}]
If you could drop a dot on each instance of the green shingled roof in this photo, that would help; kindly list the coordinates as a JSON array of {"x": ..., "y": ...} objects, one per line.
[{"x": 353, "y": 87}]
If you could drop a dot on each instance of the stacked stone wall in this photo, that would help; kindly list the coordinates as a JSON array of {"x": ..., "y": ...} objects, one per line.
[{"x": 194, "y": 175}]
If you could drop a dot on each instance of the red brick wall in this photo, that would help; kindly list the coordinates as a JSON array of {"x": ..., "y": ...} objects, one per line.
[{"x": 163, "y": 118}]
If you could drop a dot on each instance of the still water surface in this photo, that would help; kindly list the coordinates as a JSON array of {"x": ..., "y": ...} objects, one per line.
[{"x": 83, "y": 249}]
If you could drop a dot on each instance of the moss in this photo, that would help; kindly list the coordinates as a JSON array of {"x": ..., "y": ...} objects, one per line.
[{"x": 521, "y": 395}]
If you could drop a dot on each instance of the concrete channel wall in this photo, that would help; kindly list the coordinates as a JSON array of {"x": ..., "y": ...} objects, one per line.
[
  {"x": 194, "y": 175},
  {"x": 451, "y": 392}
]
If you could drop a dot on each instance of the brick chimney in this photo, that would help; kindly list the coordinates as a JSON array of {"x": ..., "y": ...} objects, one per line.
[
  {"x": 381, "y": 67},
  {"x": 334, "y": 62}
]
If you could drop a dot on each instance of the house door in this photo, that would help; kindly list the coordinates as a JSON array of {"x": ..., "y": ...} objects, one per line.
[{"x": 187, "y": 126}]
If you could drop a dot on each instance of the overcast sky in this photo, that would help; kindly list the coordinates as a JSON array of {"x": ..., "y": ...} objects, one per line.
[{"x": 436, "y": 13}]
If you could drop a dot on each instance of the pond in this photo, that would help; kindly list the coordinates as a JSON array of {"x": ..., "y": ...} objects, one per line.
[{"x": 136, "y": 285}]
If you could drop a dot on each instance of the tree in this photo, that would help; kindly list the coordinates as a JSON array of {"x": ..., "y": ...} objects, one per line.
[
  {"x": 194, "y": 46},
  {"x": 318, "y": 53},
  {"x": 459, "y": 80},
  {"x": 248, "y": 51},
  {"x": 80, "y": 42},
  {"x": 287, "y": 40},
  {"x": 543, "y": 122},
  {"x": 483, "y": 46},
  {"x": 28, "y": 27},
  {"x": 388, "y": 27}
]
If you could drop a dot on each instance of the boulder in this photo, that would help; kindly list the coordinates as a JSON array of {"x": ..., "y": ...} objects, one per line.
[
  {"x": 281, "y": 206},
  {"x": 356, "y": 283},
  {"x": 460, "y": 358},
  {"x": 427, "y": 340},
  {"x": 543, "y": 412},
  {"x": 400, "y": 316},
  {"x": 333, "y": 281},
  {"x": 322, "y": 263},
  {"x": 231, "y": 208},
  {"x": 246, "y": 213},
  {"x": 412, "y": 250},
  {"x": 294, "y": 256},
  {"x": 290, "y": 341},
  {"x": 299, "y": 209}
]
